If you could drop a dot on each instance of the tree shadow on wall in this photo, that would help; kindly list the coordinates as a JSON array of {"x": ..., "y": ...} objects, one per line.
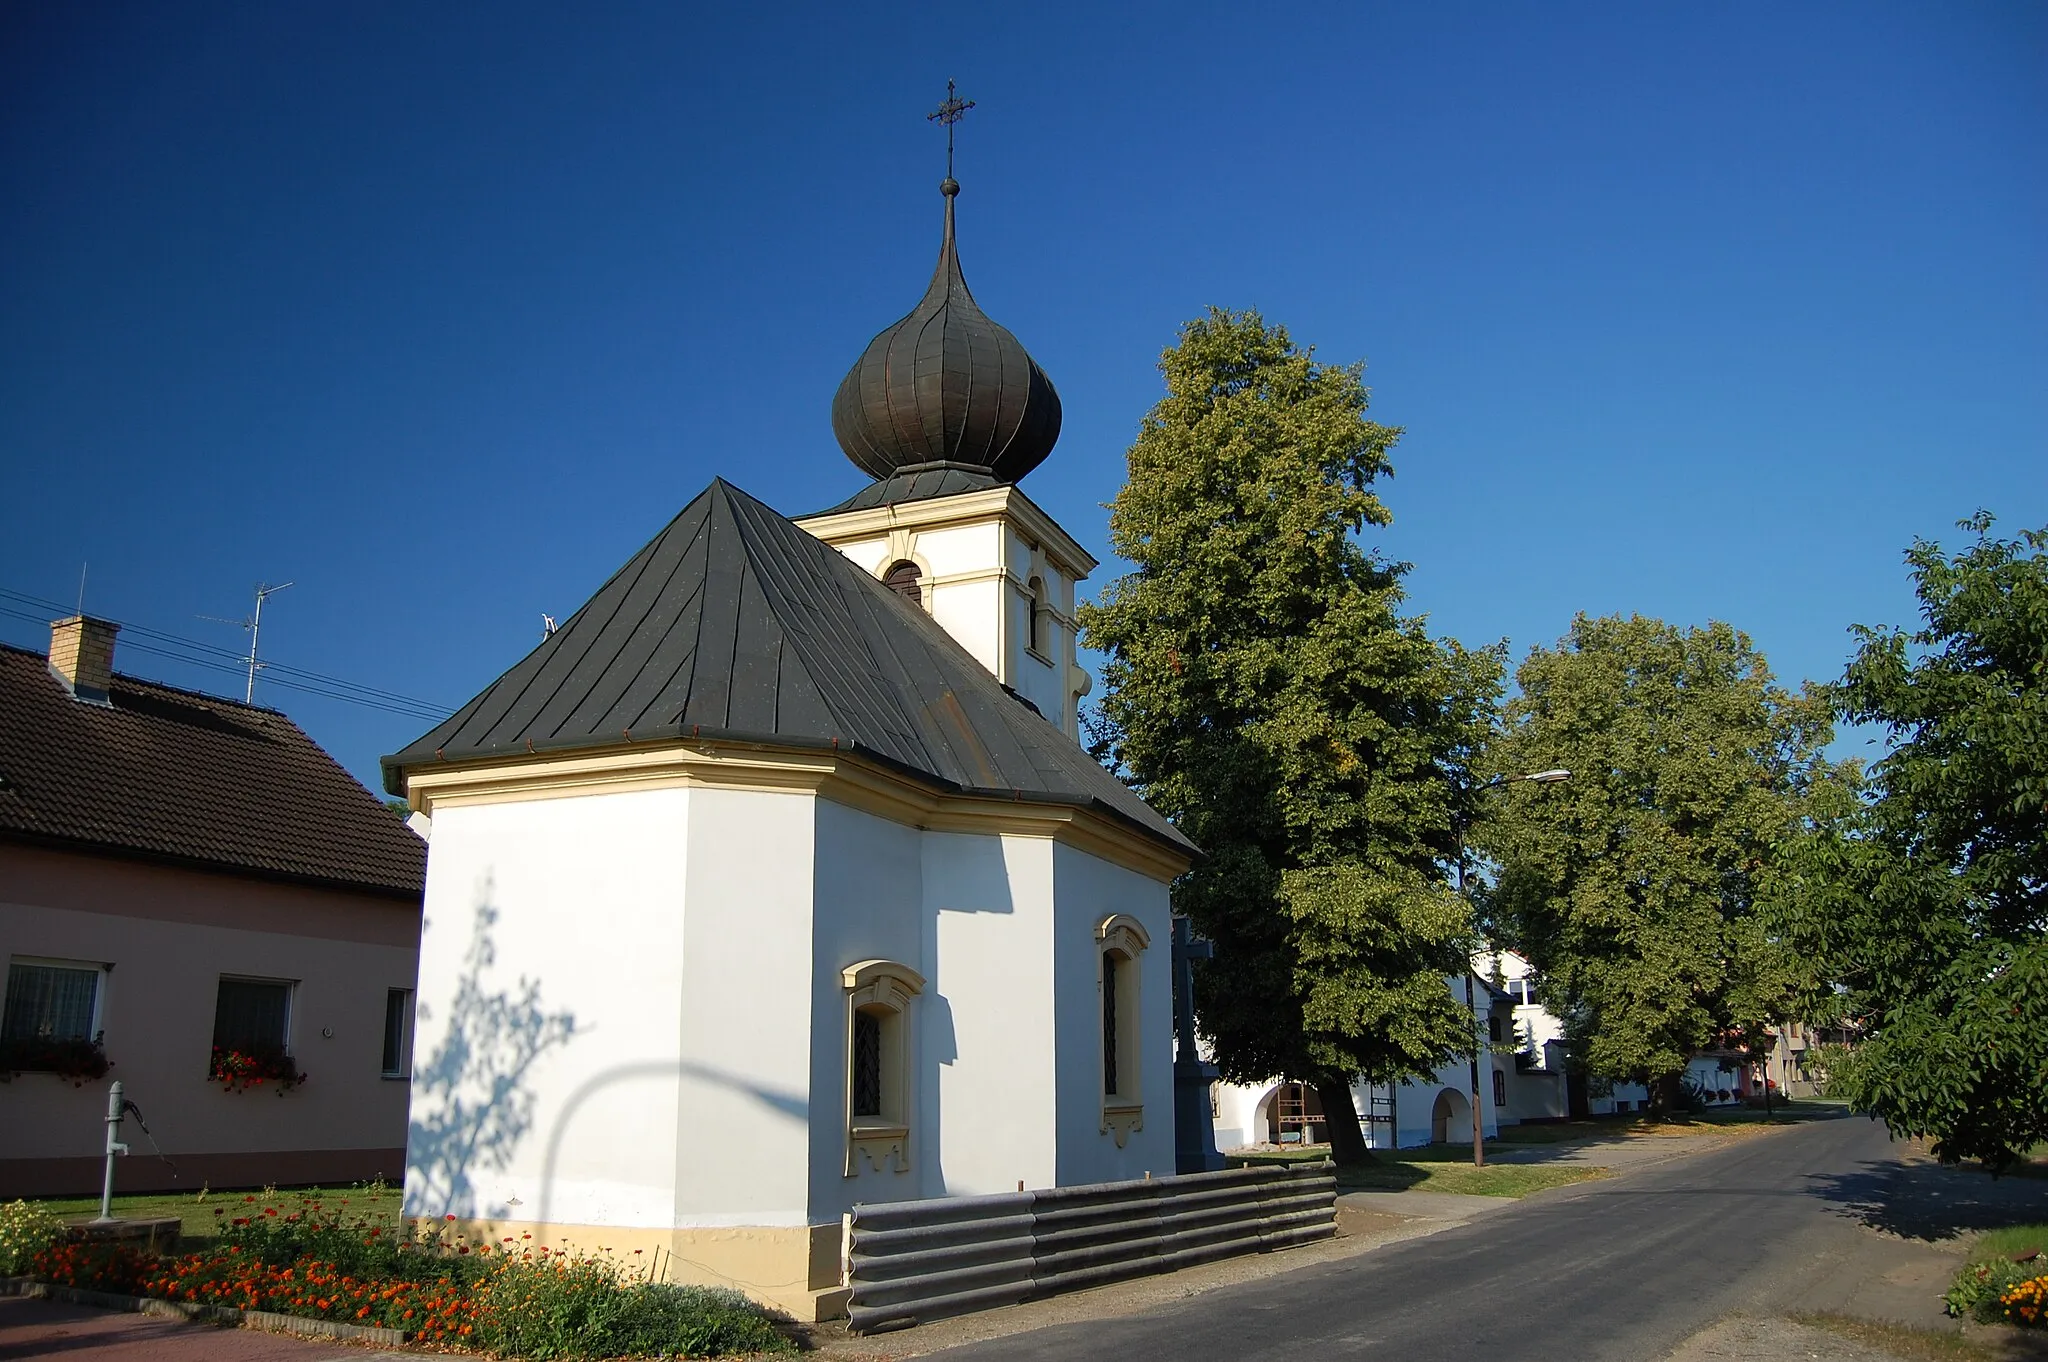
[{"x": 470, "y": 1103}]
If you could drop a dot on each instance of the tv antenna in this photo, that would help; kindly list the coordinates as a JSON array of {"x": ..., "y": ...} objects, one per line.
[{"x": 254, "y": 624}]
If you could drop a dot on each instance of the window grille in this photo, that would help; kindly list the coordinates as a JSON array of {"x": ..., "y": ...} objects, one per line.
[
  {"x": 867, "y": 1064},
  {"x": 1110, "y": 962}
]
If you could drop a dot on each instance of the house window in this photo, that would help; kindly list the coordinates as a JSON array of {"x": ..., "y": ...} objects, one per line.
[
  {"x": 1493, "y": 1028},
  {"x": 397, "y": 1033},
  {"x": 1500, "y": 1088},
  {"x": 253, "y": 1016},
  {"x": 878, "y": 997},
  {"x": 1121, "y": 940},
  {"x": 51, "y": 1000},
  {"x": 905, "y": 580}
]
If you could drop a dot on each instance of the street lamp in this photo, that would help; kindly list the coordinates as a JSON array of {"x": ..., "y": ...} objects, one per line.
[{"x": 1553, "y": 776}]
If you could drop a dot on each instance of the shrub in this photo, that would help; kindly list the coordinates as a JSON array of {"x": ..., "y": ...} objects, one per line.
[
  {"x": 578, "y": 1306},
  {"x": 25, "y": 1231},
  {"x": 1979, "y": 1286}
]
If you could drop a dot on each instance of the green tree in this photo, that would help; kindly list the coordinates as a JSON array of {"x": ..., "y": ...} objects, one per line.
[
  {"x": 1264, "y": 690},
  {"x": 1923, "y": 907},
  {"x": 1635, "y": 887}
]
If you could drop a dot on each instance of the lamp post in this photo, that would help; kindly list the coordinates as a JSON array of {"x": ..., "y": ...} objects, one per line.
[{"x": 1551, "y": 777}]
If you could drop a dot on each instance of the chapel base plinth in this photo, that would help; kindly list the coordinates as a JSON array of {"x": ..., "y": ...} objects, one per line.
[{"x": 790, "y": 1268}]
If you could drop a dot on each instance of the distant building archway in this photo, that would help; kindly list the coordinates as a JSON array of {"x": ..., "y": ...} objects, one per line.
[
  {"x": 1450, "y": 1118},
  {"x": 1292, "y": 1108}
]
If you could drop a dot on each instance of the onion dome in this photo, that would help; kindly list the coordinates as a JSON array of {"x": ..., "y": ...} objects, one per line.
[{"x": 946, "y": 386}]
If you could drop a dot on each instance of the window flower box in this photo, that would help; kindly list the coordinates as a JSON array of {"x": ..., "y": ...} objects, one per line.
[
  {"x": 79, "y": 1060},
  {"x": 239, "y": 1070}
]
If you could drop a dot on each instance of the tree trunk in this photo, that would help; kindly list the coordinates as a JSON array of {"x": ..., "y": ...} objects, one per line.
[
  {"x": 1347, "y": 1141},
  {"x": 1665, "y": 1093}
]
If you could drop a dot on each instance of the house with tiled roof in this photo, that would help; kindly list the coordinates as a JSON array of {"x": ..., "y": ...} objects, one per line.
[{"x": 195, "y": 899}]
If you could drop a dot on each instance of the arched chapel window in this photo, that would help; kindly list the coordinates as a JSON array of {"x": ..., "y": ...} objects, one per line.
[
  {"x": 878, "y": 1098},
  {"x": 1121, "y": 939},
  {"x": 905, "y": 580}
]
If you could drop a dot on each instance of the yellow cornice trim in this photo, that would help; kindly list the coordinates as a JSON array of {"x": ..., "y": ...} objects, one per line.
[
  {"x": 962, "y": 508},
  {"x": 841, "y": 777}
]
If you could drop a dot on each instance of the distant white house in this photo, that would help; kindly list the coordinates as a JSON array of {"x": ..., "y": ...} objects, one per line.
[{"x": 1522, "y": 1078}]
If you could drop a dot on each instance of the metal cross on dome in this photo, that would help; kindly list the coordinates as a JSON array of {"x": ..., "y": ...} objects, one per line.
[{"x": 948, "y": 114}]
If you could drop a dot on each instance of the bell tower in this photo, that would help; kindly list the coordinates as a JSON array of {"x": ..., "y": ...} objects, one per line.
[{"x": 947, "y": 411}]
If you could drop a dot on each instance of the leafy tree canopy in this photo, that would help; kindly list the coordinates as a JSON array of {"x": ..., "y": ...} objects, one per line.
[
  {"x": 1922, "y": 909},
  {"x": 1634, "y": 887},
  {"x": 1264, "y": 690}
]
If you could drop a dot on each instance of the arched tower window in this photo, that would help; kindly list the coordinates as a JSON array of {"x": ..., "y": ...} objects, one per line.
[
  {"x": 905, "y": 580},
  {"x": 1035, "y": 636}
]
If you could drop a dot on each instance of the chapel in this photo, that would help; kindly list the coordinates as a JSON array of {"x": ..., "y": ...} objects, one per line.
[{"x": 776, "y": 879}]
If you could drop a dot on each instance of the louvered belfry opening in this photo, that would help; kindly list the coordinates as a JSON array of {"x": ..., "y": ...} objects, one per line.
[{"x": 906, "y": 581}]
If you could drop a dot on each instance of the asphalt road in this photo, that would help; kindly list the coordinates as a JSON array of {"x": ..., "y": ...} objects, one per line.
[{"x": 1623, "y": 1269}]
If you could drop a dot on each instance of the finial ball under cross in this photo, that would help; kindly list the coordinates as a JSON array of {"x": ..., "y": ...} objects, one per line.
[{"x": 948, "y": 114}]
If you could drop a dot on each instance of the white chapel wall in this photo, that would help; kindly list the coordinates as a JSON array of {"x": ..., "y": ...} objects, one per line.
[
  {"x": 1089, "y": 890},
  {"x": 987, "y": 1015},
  {"x": 546, "y": 1048},
  {"x": 869, "y": 877}
]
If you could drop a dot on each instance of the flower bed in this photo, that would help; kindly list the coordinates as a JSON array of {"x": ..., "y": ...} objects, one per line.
[
  {"x": 2025, "y": 1303},
  {"x": 317, "y": 1261}
]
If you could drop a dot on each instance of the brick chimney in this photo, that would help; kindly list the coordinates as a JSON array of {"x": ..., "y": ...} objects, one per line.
[{"x": 82, "y": 656}]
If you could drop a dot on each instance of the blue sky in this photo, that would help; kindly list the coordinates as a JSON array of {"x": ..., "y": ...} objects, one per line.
[{"x": 440, "y": 312}]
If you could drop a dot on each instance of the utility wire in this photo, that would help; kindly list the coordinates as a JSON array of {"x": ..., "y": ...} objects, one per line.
[{"x": 195, "y": 653}]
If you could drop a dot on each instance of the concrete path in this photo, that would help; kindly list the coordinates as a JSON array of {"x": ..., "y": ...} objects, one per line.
[
  {"x": 1708, "y": 1252},
  {"x": 78, "y": 1333}
]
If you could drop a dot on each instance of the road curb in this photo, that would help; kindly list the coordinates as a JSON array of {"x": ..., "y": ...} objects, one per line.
[{"x": 266, "y": 1321}]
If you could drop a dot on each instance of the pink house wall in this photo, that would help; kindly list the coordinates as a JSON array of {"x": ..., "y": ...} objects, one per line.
[{"x": 170, "y": 933}]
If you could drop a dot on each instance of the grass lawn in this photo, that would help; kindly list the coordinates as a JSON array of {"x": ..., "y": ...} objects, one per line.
[
  {"x": 1902, "y": 1340},
  {"x": 1445, "y": 1168},
  {"x": 196, "y": 1210},
  {"x": 2011, "y": 1242}
]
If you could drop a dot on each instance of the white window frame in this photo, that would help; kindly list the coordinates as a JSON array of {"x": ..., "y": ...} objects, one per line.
[
  {"x": 883, "y": 989},
  {"x": 1124, "y": 938},
  {"x": 404, "y": 1069},
  {"x": 291, "y": 1003},
  {"x": 103, "y": 969}
]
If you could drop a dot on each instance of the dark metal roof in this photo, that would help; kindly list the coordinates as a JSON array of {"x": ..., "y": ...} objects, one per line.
[
  {"x": 918, "y": 482},
  {"x": 735, "y": 623},
  {"x": 946, "y": 383},
  {"x": 174, "y": 775}
]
